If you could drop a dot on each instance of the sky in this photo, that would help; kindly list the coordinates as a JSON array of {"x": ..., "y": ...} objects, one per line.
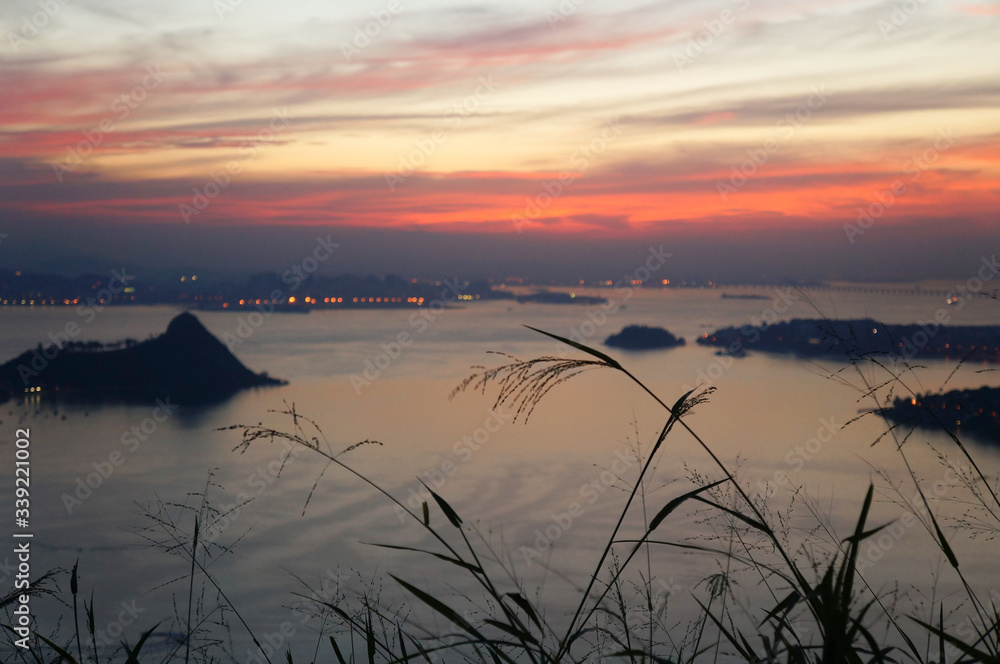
[{"x": 751, "y": 138}]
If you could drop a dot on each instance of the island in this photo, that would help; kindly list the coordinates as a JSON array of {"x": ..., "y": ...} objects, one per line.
[
  {"x": 862, "y": 338},
  {"x": 185, "y": 364},
  {"x": 743, "y": 296},
  {"x": 973, "y": 411},
  {"x": 643, "y": 337},
  {"x": 550, "y": 297}
]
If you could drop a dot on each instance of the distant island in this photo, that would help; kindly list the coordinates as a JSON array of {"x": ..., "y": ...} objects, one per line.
[
  {"x": 185, "y": 364},
  {"x": 863, "y": 337},
  {"x": 976, "y": 412},
  {"x": 643, "y": 337},
  {"x": 549, "y": 297},
  {"x": 743, "y": 296}
]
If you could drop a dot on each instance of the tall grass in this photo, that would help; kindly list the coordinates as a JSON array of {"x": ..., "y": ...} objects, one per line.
[
  {"x": 199, "y": 629},
  {"x": 822, "y": 610},
  {"x": 820, "y": 606}
]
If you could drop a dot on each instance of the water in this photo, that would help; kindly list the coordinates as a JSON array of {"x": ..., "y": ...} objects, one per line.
[{"x": 518, "y": 483}]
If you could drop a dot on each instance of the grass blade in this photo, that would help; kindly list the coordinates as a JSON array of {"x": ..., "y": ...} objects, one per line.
[
  {"x": 74, "y": 588},
  {"x": 676, "y": 409},
  {"x": 441, "y": 608},
  {"x": 676, "y": 502},
  {"x": 133, "y": 654},
  {"x": 336, "y": 651},
  {"x": 944, "y": 543},
  {"x": 748, "y": 655},
  {"x": 370, "y": 638},
  {"x": 62, "y": 653},
  {"x": 423, "y": 652},
  {"x": 783, "y": 606},
  {"x": 445, "y": 507},
  {"x": 607, "y": 359},
  {"x": 975, "y": 653},
  {"x": 526, "y": 607},
  {"x": 742, "y": 517},
  {"x": 453, "y": 616},
  {"x": 454, "y": 561},
  {"x": 858, "y": 538}
]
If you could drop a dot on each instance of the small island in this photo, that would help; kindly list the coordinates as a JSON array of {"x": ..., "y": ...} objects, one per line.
[
  {"x": 975, "y": 412},
  {"x": 643, "y": 337},
  {"x": 862, "y": 338},
  {"x": 185, "y": 364}
]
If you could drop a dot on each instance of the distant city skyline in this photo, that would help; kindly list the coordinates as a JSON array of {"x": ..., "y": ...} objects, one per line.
[
  {"x": 753, "y": 139},
  {"x": 771, "y": 256}
]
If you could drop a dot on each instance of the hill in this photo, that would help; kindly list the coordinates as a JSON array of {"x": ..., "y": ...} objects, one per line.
[
  {"x": 643, "y": 337},
  {"x": 185, "y": 363}
]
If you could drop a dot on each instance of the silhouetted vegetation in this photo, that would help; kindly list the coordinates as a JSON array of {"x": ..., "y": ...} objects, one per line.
[
  {"x": 822, "y": 608},
  {"x": 186, "y": 364},
  {"x": 837, "y": 339}
]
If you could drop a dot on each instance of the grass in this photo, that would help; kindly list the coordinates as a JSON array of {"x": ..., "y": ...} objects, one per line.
[{"x": 820, "y": 606}]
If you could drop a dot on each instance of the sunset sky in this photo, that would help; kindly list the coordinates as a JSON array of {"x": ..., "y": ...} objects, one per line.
[{"x": 175, "y": 131}]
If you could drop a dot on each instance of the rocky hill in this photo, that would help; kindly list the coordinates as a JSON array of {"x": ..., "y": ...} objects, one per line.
[{"x": 185, "y": 363}]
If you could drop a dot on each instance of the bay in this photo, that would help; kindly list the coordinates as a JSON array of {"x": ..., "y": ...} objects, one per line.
[{"x": 776, "y": 419}]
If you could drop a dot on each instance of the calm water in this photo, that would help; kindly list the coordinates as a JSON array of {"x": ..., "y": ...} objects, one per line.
[{"x": 515, "y": 482}]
